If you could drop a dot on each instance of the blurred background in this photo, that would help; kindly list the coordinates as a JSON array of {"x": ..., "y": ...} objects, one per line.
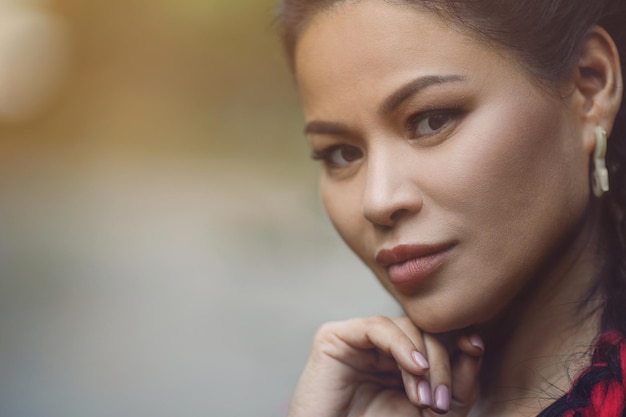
[{"x": 162, "y": 248}]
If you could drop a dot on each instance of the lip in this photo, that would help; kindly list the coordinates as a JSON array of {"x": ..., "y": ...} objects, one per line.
[{"x": 410, "y": 265}]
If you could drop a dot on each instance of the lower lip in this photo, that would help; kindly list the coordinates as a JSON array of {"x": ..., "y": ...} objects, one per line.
[{"x": 408, "y": 274}]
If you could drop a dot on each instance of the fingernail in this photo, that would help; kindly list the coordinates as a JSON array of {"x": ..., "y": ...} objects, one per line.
[
  {"x": 420, "y": 359},
  {"x": 423, "y": 392},
  {"x": 442, "y": 398},
  {"x": 477, "y": 342}
]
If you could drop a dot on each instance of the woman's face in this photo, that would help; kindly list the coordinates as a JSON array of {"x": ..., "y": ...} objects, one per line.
[{"x": 447, "y": 170}]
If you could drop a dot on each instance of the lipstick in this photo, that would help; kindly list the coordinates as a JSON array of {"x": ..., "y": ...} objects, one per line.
[{"x": 410, "y": 265}]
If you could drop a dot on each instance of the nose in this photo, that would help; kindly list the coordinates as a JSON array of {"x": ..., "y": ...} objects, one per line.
[{"x": 391, "y": 189}]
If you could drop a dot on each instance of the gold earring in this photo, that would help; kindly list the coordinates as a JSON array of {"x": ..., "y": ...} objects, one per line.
[{"x": 600, "y": 177}]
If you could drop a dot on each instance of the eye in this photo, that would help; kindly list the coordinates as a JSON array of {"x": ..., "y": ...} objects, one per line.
[
  {"x": 338, "y": 156},
  {"x": 432, "y": 122}
]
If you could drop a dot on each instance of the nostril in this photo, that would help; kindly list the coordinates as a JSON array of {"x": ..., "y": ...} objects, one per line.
[
  {"x": 391, "y": 191},
  {"x": 397, "y": 214}
]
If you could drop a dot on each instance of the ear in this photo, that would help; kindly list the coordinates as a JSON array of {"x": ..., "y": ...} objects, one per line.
[{"x": 598, "y": 80}]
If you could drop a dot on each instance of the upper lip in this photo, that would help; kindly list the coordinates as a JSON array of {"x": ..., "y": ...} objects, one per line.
[{"x": 402, "y": 253}]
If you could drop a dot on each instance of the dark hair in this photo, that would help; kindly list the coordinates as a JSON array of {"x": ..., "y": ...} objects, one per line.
[{"x": 547, "y": 36}]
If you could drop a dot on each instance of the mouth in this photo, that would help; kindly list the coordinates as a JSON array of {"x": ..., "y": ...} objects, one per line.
[{"x": 410, "y": 265}]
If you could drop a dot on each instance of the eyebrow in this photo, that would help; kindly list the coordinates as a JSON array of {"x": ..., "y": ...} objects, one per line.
[
  {"x": 318, "y": 127},
  {"x": 413, "y": 87},
  {"x": 391, "y": 103}
]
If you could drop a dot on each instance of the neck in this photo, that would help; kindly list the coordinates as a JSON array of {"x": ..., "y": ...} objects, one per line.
[{"x": 540, "y": 343}]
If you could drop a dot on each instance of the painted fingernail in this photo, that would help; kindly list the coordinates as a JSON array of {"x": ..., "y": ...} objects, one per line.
[
  {"x": 420, "y": 359},
  {"x": 423, "y": 393},
  {"x": 442, "y": 398},
  {"x": 477, "y": 342}
]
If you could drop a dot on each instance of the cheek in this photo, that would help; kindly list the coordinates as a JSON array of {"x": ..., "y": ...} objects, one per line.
[
  {"x": 517, "y": 182},
  {"x": 511, "y": 153},
  {"x": 342, "y": 202}
]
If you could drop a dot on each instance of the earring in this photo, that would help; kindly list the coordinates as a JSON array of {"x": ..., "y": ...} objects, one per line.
[{"x": 600, "y": 177}]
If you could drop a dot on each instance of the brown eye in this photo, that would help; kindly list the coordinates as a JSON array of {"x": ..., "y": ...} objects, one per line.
[
  {"x": 433, "y": 122},
  {"x": 343, "y": 155},
  {"x": 338, "y": 156},
  {"x": 438, "y": 121}
]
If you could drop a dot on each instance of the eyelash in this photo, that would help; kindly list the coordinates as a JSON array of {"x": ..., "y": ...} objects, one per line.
[
  {"x": 414, "y": 121},
  {"x": 326, "y": 155},
  {"x": 323, "y": 154}
]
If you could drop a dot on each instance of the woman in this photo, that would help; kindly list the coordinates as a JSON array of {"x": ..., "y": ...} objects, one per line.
[{"x": 463, "y": 148}]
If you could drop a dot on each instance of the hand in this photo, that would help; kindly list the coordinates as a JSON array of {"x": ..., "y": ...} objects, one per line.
[{"x": 380, "y": 367}]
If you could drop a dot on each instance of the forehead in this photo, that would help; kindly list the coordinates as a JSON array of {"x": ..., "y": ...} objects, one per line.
[
  {"x": 354, "y": 43},
  {"x": 354, "y": 54},
  {"x": 374, "y": 24}
]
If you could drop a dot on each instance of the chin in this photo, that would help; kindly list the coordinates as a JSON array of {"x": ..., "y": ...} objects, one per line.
[
  {"x": 438, "y": 324},
  {"x": 441, "y": 316}
]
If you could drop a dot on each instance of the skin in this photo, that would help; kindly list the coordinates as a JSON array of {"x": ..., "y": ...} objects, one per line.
[{"x": 480, "y": 157}]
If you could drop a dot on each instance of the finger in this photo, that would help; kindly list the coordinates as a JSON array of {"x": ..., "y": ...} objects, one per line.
[
  {"x": 416, "y": 385},
  {"x": 472, "y": 345},
  {"x": 440, "y": 373},
  {"x": 416, "y": 336},
  {"x": 410, "y": 387},
  {"x": 338, "y": 341},
  {"x": 383, "y": 334},
  {"x": 417, "y": 390},
  {"x": 465, "y": 374}
]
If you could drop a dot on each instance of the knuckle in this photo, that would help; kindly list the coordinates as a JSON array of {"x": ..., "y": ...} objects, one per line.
[
  {"x": 378, "y": 321},
  {"x": 441, "y": 374},
  {"x": 326, "y": 331}
]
